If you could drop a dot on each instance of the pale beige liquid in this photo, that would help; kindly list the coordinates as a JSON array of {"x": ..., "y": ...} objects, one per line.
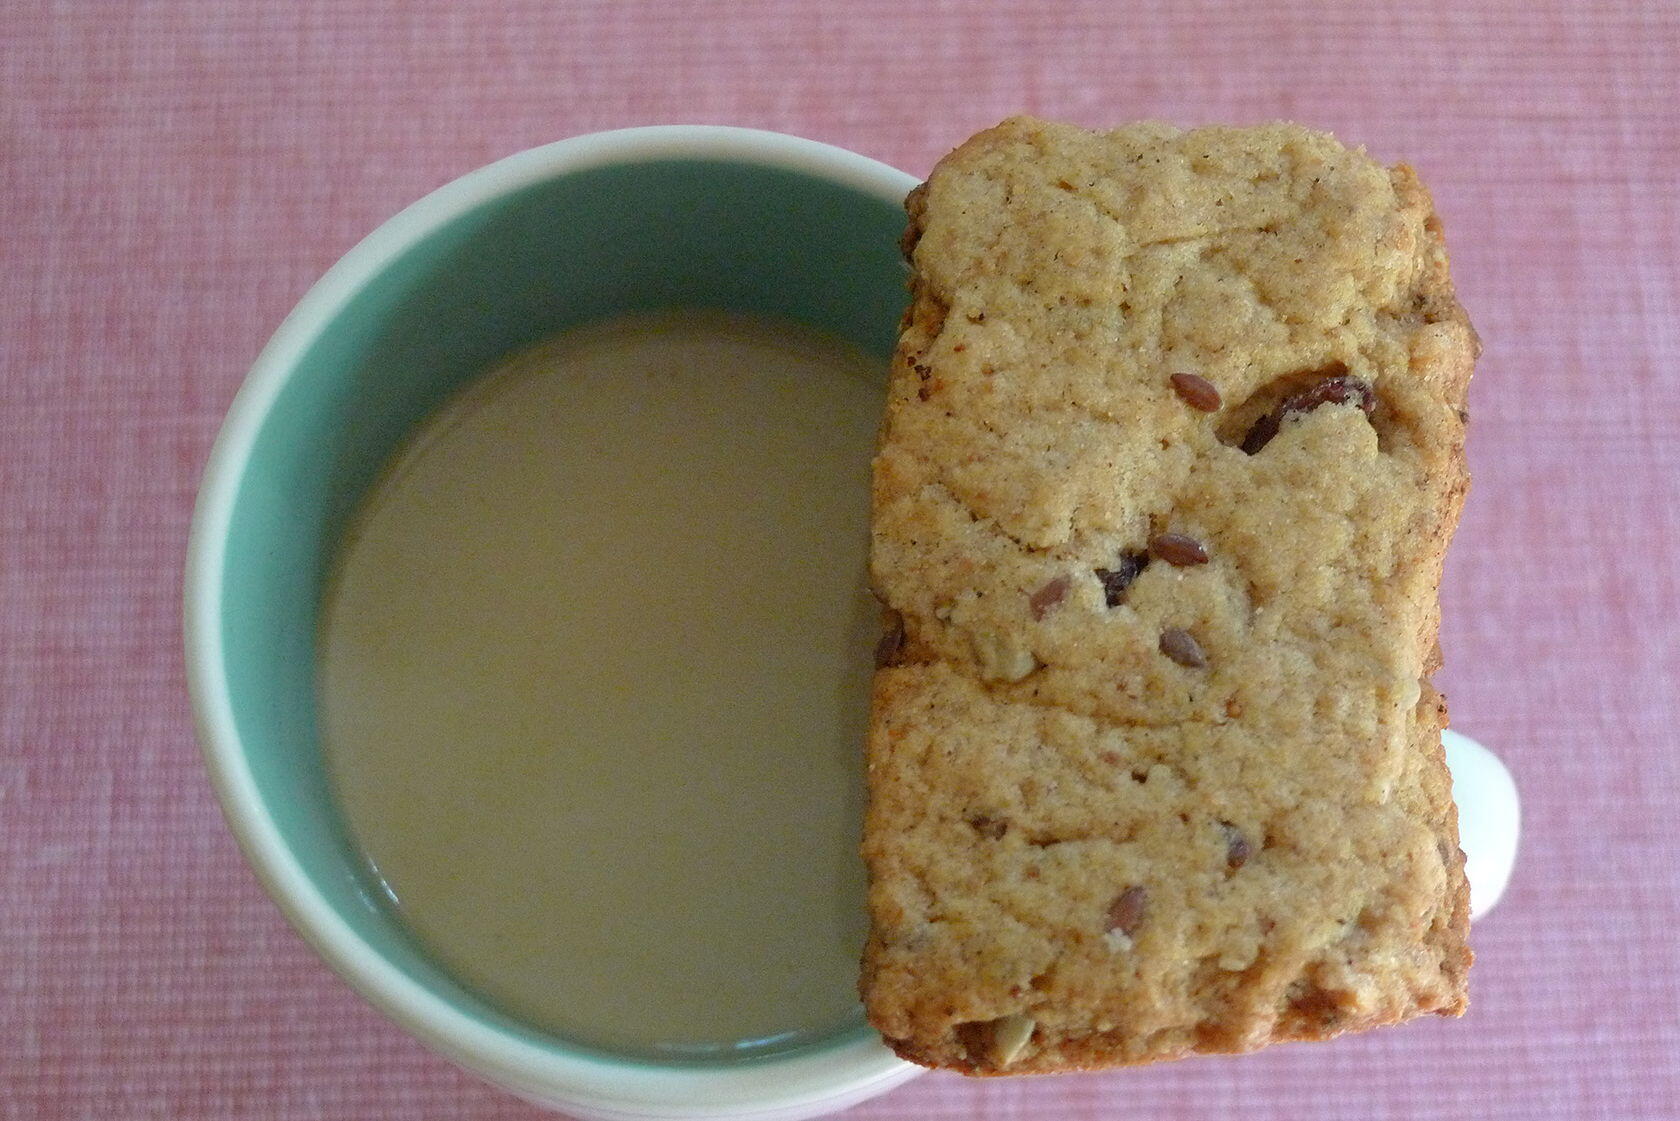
[{"x": 593, "y": 680}]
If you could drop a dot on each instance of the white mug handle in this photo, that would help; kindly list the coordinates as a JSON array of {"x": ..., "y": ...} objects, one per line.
[{"x": 1489, "y": 818}]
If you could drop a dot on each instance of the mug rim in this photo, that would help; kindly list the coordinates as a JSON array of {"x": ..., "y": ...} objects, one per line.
[{"x": 847, "y": 1066}]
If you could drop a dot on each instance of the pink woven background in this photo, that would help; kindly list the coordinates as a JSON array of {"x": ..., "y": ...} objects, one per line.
[{"x": 174, "y": 175}]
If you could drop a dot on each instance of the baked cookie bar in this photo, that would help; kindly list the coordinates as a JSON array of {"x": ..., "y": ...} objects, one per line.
[{"x": 1173, "y": 450}]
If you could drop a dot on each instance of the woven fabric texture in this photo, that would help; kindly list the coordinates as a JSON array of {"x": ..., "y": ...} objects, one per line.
[{"x": 173, "y": 176}]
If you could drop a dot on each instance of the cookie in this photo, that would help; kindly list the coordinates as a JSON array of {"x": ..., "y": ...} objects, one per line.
[{"x": 1173, "y": 449}]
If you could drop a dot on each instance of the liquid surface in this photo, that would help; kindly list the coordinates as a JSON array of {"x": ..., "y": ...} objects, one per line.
[{"x": 594, "y": 674}]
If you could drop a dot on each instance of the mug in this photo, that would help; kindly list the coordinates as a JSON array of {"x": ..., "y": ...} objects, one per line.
[
  {"x": 556, "y": 237},
  {"x": 560, "y": 236}
]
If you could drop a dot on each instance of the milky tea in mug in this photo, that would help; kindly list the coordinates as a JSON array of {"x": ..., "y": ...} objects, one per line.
[{"x": 593, "y": 671}]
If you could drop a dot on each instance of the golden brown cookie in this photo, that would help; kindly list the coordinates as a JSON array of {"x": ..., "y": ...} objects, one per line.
[{"x": 1173, "y": 449}]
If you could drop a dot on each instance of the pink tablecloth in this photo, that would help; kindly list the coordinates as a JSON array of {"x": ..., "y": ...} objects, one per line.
[{"x": 176, "y": 174}]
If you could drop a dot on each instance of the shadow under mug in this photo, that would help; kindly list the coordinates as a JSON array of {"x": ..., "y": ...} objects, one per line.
[{"x": 559, "y": 236}]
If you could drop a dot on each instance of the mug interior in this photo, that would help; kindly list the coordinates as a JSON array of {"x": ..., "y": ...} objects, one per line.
[{"x": 496, "y": 278}]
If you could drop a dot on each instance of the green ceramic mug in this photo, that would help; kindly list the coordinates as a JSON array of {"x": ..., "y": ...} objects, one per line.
[{"x": 562, "y": 235}]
